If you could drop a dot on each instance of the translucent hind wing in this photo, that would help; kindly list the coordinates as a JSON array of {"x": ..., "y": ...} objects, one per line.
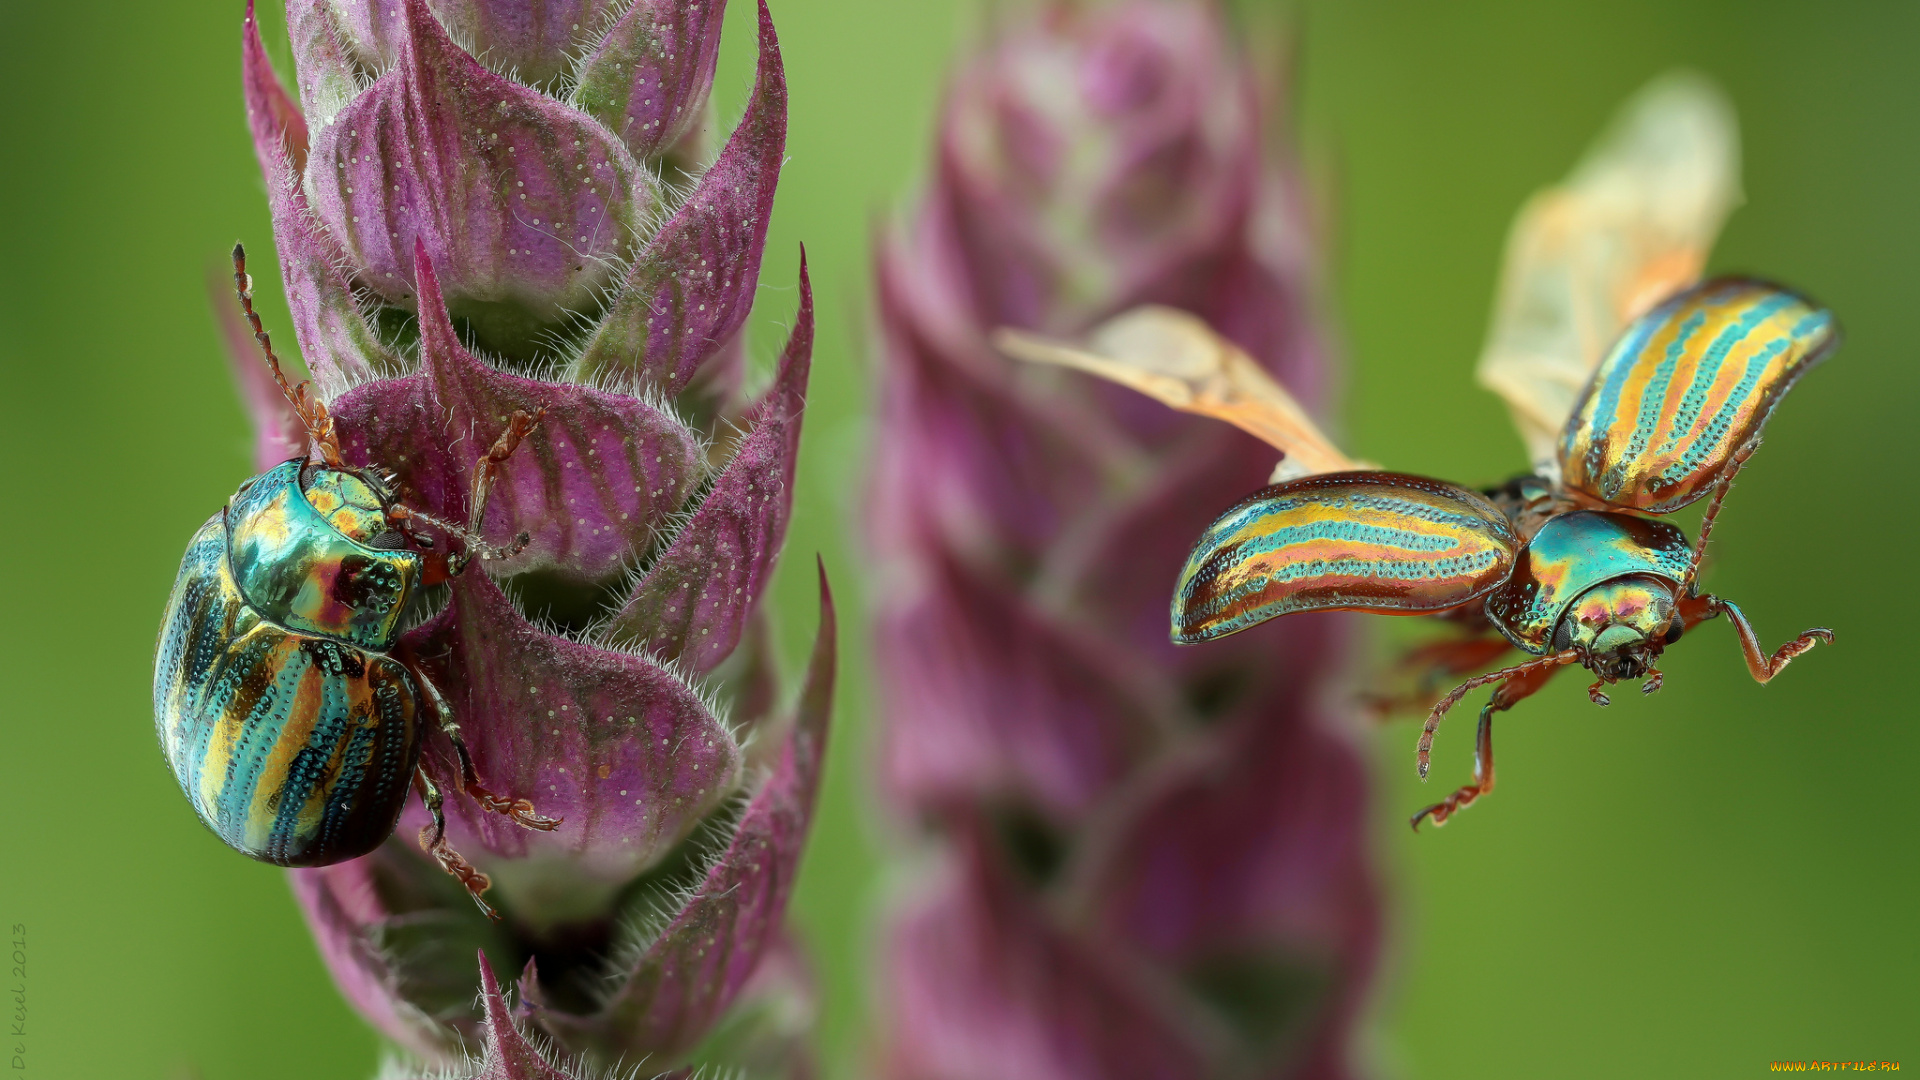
[
  {"x": 1178, "y": 360},
  {"x": 1631, "y": 225},
  {"x": 1361, "y": 541}
]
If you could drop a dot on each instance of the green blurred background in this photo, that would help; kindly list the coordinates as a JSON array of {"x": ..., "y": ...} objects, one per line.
[{"x": 1688, "y": 885}]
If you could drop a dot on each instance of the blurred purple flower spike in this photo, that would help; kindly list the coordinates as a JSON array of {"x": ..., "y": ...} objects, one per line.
[
  {"x": 1149, "y": 861},
  {"x": 471, "y": 217},
  {"x": 508, "y": 1051}
]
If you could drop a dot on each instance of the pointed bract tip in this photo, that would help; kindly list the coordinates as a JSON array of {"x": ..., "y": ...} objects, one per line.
[{"x": 490, "y": 997}]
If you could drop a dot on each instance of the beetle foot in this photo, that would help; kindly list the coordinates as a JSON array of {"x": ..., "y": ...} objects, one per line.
[
  {"x": 433, "y": 840},
  {"x": 1439, "y": 812},
  {"x": 1784, "y": 655},
  {"x": 1819, "y": 635},
  {"x": 520, "y": 810},
  {"x": 1597, "y": 695},
  {"x": 1653, "y": 683}
]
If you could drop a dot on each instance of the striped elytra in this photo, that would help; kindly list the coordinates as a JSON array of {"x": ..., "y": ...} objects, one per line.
[
  {"x": 1688, "y": 385},
  {"x": 1368, "y": 541},
  {"x": 295, "y": 745}
]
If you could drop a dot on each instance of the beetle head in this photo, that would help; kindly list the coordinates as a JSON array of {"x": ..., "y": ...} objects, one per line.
[
  {"x": 357, "y": 502},
  {"x": 1619, "y": 627}
]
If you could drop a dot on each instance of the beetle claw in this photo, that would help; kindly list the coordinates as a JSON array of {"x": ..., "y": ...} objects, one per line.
[
  {"x": 434, "y": 843},
  {"x": 1597, "y": 695},
  {"x": 1654, "y": 681},
  {"x": 521, "y": 811},
  {"x": 433, "y": 840}
]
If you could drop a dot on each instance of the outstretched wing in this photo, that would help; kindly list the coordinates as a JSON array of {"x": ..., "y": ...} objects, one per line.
[
  {"x": 1631, "y": 226},
  {"x": 1365, "y": 541},
  {"x": 1177, "y": 359},
  {"x": 1688, "y": 385}
]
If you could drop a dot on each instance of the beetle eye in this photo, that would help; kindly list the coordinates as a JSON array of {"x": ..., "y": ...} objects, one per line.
[
  {"x": 1674, "y": 631},
  {"x": 391, "y": 540}
]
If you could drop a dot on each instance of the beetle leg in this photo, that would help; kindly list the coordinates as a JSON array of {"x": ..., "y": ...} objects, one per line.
[
  {"x": 1526, "y": 672},
  {"x": 1517, "y": 688},
  {"x": 1426, "y": 666},
  {"x": 1763, "y": 667},
  {"x": 1482, "y": 774},
  {"x": 487, "y": 469},
  {"x": 485, "y": 472},
  {"x": 1720, "y": 489},
  {"x": 433, "y": 840},
  {"x": 520, "y": 810}
]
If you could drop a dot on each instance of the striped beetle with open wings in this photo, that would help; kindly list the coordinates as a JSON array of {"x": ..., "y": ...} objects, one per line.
[{"x": 1571, "y": 563}]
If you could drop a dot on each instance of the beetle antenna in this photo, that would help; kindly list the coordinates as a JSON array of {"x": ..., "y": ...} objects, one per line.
[
  {"x": 485, "y": 472},
  {"x": 306, "y": 405}
]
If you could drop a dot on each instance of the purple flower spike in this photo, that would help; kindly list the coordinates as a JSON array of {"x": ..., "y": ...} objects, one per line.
[
  {"x": 1152, "y": 858},
  {"x": 507, "y": 1052},
  {"x": 279, "y": 130},
  {"x": 467, "y": 206},
  {"x": 688, "y": 974},
  {"x": 524, "y": 203},
  {"x": 621, "y": 747},
  {"x": 1011, "y": 468},
  {"x": 592, "y": 486},
  {"x": 981, "y": 985},
  {"x": 336, "y": 341},
  {"x": 385, "y": 921},
  {"x": 1150, "y": 154},
  {"x": 649, "y": 76},
  {"x": 329, "y": 77},
  {"x": 958, "y": 736},
  {"x": 1242, "y": 865},
  {"x": 694, "y": 602},
  {"x": 691, "y": 288},
  {"x": 534, "y": 41}
]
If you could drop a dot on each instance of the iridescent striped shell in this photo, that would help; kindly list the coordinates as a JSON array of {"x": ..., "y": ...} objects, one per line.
[
  {"x": 1367, "y": 541},
  {"x": 288, "y": 727},
  {"x": 1686, "y": 387}
]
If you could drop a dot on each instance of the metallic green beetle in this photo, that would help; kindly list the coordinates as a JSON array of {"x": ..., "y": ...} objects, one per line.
[
  {"x": 1568, "y": 565},
  {"x": 1568, "y": 568},
  {"x": 290, "y": 720}
]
